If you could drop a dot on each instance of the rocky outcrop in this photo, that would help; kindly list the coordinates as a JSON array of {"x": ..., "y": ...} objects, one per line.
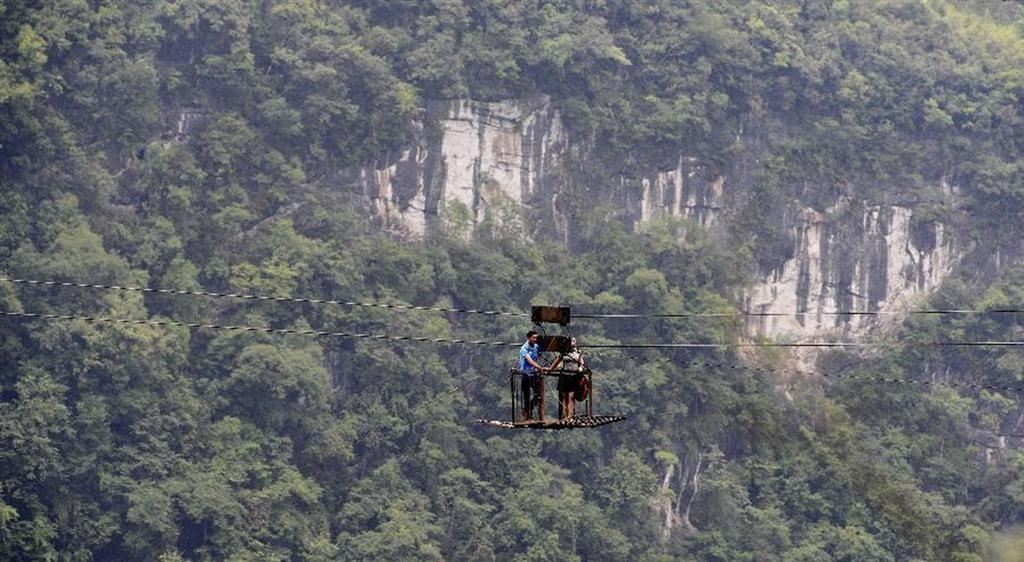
[
  {"x": 688, "y": 190},
  {"x": 848, "y": 261},
  {"x": 471, "y": 163}
]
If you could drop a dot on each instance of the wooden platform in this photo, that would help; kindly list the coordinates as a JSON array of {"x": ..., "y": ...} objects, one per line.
[{"x": 577, "y": 422}]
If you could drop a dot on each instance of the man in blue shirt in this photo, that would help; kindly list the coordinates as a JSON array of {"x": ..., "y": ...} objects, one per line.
[{"x": 530, "y": 367}]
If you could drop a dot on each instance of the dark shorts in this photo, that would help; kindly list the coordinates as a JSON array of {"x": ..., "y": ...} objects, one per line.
[
  {"x": 569, "y": 383},
  {"x": 531, "y": 381}
]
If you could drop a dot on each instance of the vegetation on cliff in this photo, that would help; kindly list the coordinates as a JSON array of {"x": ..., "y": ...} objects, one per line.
[{"x": 190, "y": 145}]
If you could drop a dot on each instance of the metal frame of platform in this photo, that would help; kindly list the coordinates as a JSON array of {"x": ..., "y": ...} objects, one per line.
[
  {"x": 577, "y": 422},
  {"x": 561, "y": 345}
]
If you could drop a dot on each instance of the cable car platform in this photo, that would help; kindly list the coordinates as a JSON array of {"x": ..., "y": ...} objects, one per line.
[{"x": 576, "y": 422}]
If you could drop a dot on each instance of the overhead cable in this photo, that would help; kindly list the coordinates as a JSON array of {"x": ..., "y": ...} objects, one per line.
[
  {"x": 258, "y": 297},
  {"x": 386, "y": 337},
  {"x": 802, "y": 313},
  {"x": 799, "y": 344},
  {"x": 613, "y": 316},
  {"x": 239, "y": 328},
  {"x": 891, "y": 380},
  {"x": 317, "y": 333}
]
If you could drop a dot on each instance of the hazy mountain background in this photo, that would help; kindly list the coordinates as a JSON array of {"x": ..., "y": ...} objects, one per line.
[{"x": 649, "y": 157}]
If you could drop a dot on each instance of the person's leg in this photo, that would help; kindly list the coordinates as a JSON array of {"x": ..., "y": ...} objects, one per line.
[
  {"x": 570, "y": 404},
  {"x": 565, "y": 404},
  {"x": 538, "y": 395},
  {"x": 526, "y": 388}
]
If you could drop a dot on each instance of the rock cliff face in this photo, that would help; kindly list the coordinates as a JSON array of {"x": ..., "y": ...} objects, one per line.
[
  {"x": 470, "y": 160},
  {"x": 473, "y": 162},
  {"x": 873, "y": 259},
  {"x": 687, "y": 190}
]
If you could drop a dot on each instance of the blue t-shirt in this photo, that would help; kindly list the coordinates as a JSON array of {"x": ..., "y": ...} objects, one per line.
[{"x": 533, "y": 351}]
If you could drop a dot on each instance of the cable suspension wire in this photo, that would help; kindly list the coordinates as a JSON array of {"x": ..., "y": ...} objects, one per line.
[
  {"x": 865, "y": 378},
  {"x": 386, "y": 337},
  {"x": 622, "y": 316},
  {"x": 799, "y": 344},
  {"x": 926, "y": 383},
  {"x": 49, "y": 283},
  {"x": 803, "y": 313},
  {"x": 456, "y": 388},
  {"x": 240, "y": 328}
]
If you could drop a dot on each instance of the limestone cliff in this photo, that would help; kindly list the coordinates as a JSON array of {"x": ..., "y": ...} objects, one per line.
[
  {"x": 473, "y": 161},
  {"x": 469, "y": 159},
  {"x": 871, "y": 259}
]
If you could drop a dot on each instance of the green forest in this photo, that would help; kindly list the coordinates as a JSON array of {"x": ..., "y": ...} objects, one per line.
[{"x": 123, "y": 441}]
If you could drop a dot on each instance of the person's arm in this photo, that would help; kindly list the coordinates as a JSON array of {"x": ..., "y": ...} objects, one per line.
[
  {"x": 581, "y": 364},
  {"x": 535, "y": 364},
  {"x": 554, "y": 366}
]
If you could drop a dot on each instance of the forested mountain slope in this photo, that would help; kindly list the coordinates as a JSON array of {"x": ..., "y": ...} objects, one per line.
[{"x": 205, "y": 146}]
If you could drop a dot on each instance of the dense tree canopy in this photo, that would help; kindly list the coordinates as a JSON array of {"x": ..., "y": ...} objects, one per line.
[{"x": 188, "y": 144}]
